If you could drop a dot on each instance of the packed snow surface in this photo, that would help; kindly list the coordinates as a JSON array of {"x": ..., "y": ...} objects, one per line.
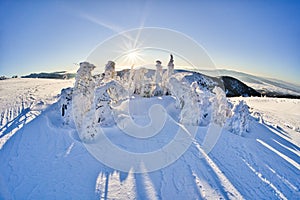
[{"x": 43, "y": 158}]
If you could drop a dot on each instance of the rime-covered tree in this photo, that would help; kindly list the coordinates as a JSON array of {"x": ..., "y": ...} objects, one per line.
[
  {"x": 238, "y": 123},
  {"x": 158, "y": 90},
  {"x": 186, "y": 100},
  {"x": 110, "y": 71},
  {"x": 170, "y": 66},
  {"x": 220, "y": 107},
  {"x": 83, "y": 92},
  {"x": 66, "y": 105}
]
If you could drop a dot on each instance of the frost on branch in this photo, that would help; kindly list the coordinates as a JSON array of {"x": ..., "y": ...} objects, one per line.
[{"x": 238, "y": 123}]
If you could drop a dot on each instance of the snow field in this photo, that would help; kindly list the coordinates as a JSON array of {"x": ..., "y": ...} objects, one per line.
[{"x": 45, "y": 158}]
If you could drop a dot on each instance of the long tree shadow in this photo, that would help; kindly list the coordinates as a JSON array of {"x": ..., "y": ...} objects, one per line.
[
  {"x": 263, "y": 157},
  {"x": 275, "y": 139},
  {"x": 15, "y": 123}
]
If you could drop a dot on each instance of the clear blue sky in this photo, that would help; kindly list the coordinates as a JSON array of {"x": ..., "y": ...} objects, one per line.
[{"x": 258, "y": 37}]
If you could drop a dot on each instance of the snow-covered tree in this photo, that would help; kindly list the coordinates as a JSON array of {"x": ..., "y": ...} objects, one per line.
[
  {"x": 158, "y": 91},
  {"x": 106, "y": 95},
  {"x": 83, "y": 92},
  {"x": 138, "y": 80},
  {"x": 91, "y": 103},
  {"x": 170, "y": 66},
  {"x": 141, "y": 84},
  {"x": 203, "y": 101},
  {"x": 110, "y": 71},
  {"x": 220, "y": 107},
  {"x": 186, "y": 100},
  {"x": 103, "y": 111},
  {"x": 84, "y": 82},
  {"x": 116, "y": 91},
  {"x": 158, "y": 73},
  {"x": 166, "y": 76},
  {"x": 94, "y": 97},
  {"x": 66, "y": 105},
  {"x": 131, "y": 84},
  {"x": 178, "y": 89},
  {"x": 238, "y": 123}
]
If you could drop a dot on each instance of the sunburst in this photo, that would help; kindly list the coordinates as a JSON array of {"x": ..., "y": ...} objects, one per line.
[{"x": 132, "y": 57}]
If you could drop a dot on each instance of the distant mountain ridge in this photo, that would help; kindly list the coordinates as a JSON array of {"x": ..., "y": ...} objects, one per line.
[
  {"x": 266, "y": 86},
  {"x": 51, "y": 75},
  {"x": 232, "y": 86}
]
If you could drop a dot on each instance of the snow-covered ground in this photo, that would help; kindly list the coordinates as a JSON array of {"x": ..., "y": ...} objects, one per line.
[
  {"x": 45, "y": 159},
  {"x": 279, "y": 114},
  {"x": 23, "y": 99}
]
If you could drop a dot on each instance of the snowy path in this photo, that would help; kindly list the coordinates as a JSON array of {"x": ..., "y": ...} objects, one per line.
[{"x": 45, "y": 160}]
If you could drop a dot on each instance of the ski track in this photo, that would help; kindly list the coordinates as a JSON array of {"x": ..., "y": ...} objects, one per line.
[{"x": 41, "y": 159}]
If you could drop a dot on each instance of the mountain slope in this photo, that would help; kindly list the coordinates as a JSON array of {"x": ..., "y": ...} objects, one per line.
[
  {"x": 234, "y": 87},
  {"x": 266, "y": 86}
]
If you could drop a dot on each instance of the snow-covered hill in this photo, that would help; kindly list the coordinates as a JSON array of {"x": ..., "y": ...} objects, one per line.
[
  {"x": 266, "y": 86},
  {"x": 45, "y": 159}
]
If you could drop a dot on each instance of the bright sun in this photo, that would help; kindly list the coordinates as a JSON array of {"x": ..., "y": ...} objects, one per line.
[{"x": 133, "y": 57}]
